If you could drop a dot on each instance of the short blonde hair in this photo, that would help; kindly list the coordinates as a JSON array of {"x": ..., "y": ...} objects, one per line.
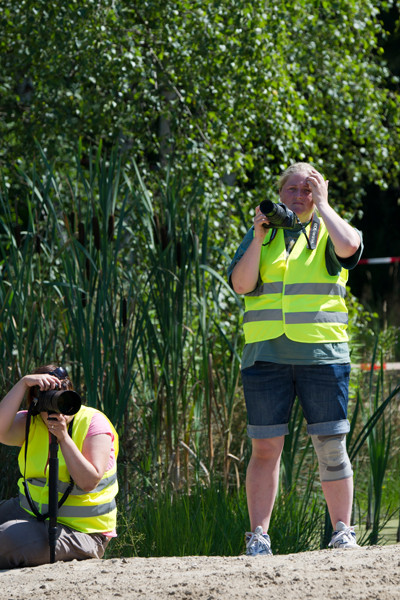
[{"x": 300, "y": 167}]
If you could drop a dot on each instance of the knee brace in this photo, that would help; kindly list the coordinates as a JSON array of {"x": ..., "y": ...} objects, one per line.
[{"x": 333, "y": 460}]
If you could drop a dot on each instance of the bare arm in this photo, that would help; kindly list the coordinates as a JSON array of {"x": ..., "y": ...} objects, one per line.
[
  {"x": 245, "y": 274},
  {"x": 12, "y": 425},
  {"x": 345, "y": 239},
  {"x": 87, "y": 467}
]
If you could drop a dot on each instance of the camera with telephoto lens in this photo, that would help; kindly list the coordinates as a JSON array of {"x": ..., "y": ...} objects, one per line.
[
  {"x": 279, "y": 216},
  {"x": 65, "y": 402}
]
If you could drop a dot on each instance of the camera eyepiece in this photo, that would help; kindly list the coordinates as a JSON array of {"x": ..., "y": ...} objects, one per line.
[{"x": 60, "y": 373}]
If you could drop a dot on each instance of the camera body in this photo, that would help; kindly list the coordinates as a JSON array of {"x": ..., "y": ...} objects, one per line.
[
  {"x": 65, "y": 402},
  {"x": 279, "y": 216}
]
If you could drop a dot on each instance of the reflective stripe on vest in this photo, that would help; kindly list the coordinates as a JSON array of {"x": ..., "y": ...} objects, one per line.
[
  {"x": 316, "y": 317},
  {"x": 252, "y": 316},
  {"x": 72, "y": 512},
  {"x": 262, "y": 315},
  {"x": 268, "y": 288},
  {"x": 297, "y": 297},
  {"x": 323, "y": 289},
  {"x": 76, "y": 490}
]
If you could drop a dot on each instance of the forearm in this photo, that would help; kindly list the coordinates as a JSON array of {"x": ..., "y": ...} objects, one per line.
[
  {"x": 10, "y": 430},
  {"x": 246, "y": 273},
  {"x": 83, "y": 472},
  {"x": 344, "y": 237}
]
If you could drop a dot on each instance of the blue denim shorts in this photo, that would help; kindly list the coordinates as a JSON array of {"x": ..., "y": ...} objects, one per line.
[{"x": 271, "y": 388}]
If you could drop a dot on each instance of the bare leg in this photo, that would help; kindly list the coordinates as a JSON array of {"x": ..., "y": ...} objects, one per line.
[
  {"x": 262, "y": 480},
  {"x": 339, "y": 498}
]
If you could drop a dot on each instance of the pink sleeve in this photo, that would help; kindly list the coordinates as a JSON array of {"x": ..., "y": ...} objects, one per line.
[{"x": 99, "y": 425}]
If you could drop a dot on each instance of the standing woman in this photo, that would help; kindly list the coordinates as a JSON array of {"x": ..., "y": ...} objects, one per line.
[
  {"x": 87, "y": 454},
  {"x": 295, "y": 322}
]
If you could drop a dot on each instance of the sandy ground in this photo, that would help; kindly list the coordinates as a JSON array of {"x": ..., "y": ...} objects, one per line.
[{"x": 366, "y": 574}]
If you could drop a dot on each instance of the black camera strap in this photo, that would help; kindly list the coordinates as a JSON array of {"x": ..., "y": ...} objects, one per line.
[
  {"x": 272, "y": 236},
  {"x": 314, "y": 231},
  {"x": 38, "y": 515}
]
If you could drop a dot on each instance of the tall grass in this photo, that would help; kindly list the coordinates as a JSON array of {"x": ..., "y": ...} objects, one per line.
[
  {"x": 210, "y": 521},
  {"x": 129, "y": 292},
  {"x": 375, "y": 425},
  {"x": 28, "y": 326}
]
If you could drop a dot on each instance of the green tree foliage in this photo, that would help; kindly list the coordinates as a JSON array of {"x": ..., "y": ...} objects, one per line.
[{"x": 223, "y": 91}]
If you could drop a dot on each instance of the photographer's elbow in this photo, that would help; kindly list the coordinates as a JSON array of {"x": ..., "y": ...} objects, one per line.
[
  {"x": 241, "y": 286},
  {"x": 90, "y": 485},
  {"x": 348, "y": 250},
  {"x": 239, "y": 289}
]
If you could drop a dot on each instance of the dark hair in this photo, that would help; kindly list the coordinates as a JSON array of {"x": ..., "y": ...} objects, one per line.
[{"x": 52, "y": 369}]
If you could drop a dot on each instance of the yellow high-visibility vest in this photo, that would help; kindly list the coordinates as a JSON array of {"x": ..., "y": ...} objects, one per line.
[
  {"x": 297, "y": 296},
  {"x": 90, "y": 512}
]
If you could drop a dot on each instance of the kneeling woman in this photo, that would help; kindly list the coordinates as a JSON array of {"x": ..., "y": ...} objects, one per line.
[{"x": 87, "y": 478}]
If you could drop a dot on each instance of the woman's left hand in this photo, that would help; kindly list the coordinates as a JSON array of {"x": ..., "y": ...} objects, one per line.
[{"x": 57, "y": 424}]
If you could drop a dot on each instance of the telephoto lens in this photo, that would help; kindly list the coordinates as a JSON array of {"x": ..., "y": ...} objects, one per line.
[
  {"x": 279, "y": 216},
  {"x": 65, "y": 402}
]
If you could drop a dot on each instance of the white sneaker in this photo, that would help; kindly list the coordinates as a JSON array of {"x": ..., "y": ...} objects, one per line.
[
  {"x": 258, "y": 543},
  {"x": 343, "y": 537}
]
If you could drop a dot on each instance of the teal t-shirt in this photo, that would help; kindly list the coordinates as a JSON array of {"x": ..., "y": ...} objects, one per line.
[{"x": 283, "y": 350}]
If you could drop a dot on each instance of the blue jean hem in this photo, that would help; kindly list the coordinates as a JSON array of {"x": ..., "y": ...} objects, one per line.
[
  {"x": 329, "y": 427},
  {"x": 261, "y": 432}
]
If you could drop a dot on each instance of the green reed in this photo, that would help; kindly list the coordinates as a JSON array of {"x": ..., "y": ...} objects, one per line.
[
  {"x": 93, "y": 293},
  {"x": 179, "y": 384},
  {"x": 28, "y": 324},
  {"x": 372, "y": 426}
]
